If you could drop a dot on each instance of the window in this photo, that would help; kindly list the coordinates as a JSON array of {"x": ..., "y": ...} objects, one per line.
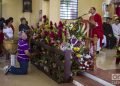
[{"x": 68, "y": 9}]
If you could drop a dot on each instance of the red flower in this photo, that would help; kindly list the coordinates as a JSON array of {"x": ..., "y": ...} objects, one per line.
[
  {"x": 51, "y": 25},
  {"x": 56, "y": 25},
  {"x": 44, "y": 18},
  {"x": 60, "y": 26}
]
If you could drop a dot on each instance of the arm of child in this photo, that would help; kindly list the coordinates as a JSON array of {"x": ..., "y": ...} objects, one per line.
[{"x": 29, "y": 54}]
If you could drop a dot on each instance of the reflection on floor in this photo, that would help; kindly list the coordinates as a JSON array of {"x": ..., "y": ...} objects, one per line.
[
  {"x": 34, "y": 78},
  {"x": 105, "y": 61}
]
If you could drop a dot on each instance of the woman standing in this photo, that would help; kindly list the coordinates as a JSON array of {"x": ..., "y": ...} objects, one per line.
[
  {"x": 8, "y": 36},
  {"x": 8, "y": 32},
  {"x": 1, "y": 41}
]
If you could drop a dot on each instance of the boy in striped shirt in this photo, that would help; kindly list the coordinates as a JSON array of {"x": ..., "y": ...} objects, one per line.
[{"x": 23, "y": 56}]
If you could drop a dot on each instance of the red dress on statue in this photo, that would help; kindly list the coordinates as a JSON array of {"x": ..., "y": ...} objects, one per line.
[{"x": 98, "y": 29}]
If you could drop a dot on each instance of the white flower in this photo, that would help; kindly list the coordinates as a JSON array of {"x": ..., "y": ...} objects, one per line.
[
  {"x": 87, "y": 56},
  {"x": 83, "y": 67},
  {"x": 83, "y": 43},
  {"x": 71, "y": 26},
  {"x": 65, "y": 46},
  {"x": 80, "y": 62},
  {"x": 119, "y": 48},
  {"x": 82, "y": 59},
  {"x": 86, "y": 63},
  {"x": 80, "y": 38},
  {"x": 80, "y": 67}
]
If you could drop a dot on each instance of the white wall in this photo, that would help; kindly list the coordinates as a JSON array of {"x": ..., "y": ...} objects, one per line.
[
  {"x": 50, "y": 8},
  {"x": 13, "y": 8},
  {"x": 54, "y": 13}
]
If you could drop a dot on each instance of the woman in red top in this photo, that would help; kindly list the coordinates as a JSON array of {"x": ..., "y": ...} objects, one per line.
[{"x": 1, "y": 40}]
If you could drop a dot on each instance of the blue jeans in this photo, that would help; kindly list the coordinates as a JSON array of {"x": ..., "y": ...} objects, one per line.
[{"x": 22, "y": 70}]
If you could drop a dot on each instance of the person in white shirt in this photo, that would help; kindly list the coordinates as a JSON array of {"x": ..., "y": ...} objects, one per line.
[
  {"x": 8, "y": 32},
  {"x": 116, "y": 30},
  {"x": 8, "y": 35}
]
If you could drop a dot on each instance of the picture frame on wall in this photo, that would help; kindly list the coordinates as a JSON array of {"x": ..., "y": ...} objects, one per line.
[{"x": 27, "y": 6}]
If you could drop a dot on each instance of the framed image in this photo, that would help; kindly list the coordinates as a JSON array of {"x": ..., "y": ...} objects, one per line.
[{"x": 27, "y": 5}]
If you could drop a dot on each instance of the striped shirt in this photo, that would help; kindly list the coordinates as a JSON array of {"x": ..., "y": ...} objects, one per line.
[{"x": 22, "y": 46}]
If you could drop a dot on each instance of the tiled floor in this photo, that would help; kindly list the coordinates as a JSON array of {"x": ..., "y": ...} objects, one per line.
[
  {"x": 105, "y": 60},
  {"x": 34, "y": 78}
]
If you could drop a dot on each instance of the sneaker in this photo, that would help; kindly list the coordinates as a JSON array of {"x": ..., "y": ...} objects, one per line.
[{"x": 6, "y": 69}]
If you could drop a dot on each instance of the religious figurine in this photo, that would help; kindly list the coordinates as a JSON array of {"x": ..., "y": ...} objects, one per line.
[{"x": 105, "y": 9}]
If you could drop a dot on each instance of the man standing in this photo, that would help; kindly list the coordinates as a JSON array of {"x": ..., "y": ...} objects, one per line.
[{"x": 95, "y": 21}]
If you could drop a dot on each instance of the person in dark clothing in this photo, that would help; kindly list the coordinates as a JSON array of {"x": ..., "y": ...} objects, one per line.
[
  {"x": 23, "y": 26},
  {"x": 108, "y": 32},
  {"x": 11, "y": 20},
  {"x": 2, "y": 22}
]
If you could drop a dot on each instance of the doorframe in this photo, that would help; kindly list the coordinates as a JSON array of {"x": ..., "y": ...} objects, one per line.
[{"x": 1, "y": 8}]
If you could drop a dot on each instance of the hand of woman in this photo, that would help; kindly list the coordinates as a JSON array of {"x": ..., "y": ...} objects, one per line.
[{"x": 6, "y": 35}]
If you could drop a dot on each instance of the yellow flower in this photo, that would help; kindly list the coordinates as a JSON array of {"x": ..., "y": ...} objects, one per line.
[
  {"x": 79, "y": 55},
  {"x": 119, "y": 48},
  {"x": 80, "y": 38},
  {"x": 47, "y": 26},
  {"x": 47, "y": 40},
  {"x": 76, "y": 49},
  {"x": 73, "y": 29}
]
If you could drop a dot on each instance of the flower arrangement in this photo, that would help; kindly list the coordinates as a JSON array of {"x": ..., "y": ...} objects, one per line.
[
  {"x": 118, "y": 52},
  {"x": 118, "y": 56},
  {"x": 62, "y": 37},
  {"x": 81, "y": 55}
]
